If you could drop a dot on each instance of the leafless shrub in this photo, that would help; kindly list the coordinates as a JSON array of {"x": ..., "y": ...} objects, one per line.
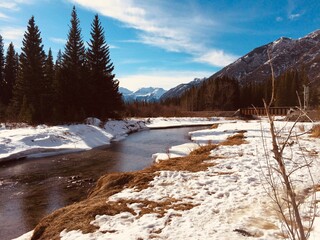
[{"x": 281, "y": 186}]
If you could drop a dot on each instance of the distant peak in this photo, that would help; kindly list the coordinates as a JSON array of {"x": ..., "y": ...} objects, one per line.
[
  {"x": 314, "y": 34},
  {"x": 282, "y": 40}
]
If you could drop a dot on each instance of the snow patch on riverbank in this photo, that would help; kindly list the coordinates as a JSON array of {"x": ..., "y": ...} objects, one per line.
[
  {"x": 229, "y": 199},
  {"x": 156, "y": 123},
  {"x": 43, "y": 140}
]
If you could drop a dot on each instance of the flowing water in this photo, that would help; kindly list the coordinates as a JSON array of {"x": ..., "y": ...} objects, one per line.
[{"x": 32, "y": 188}]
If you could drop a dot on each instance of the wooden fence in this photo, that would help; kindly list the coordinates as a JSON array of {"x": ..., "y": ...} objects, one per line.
[{"x": 260, "y": 111}]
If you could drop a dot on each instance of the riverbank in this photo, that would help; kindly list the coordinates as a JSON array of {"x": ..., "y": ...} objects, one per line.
[
  {"x": 42, "y": 140},
  {"x": 217, "y": 192}
]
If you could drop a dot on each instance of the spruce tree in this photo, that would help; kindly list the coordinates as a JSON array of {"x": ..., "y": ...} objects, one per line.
[
  {"x": 2, "y": 80},
  {"x": 105, "y": 98},
  {"x": 28, "y": 95},
  {"x": 57, "y": 108},
  {"x": 47, "y": 89},
  {"x": 73, "y": 71},
  {"x": 10, "y": 73}
]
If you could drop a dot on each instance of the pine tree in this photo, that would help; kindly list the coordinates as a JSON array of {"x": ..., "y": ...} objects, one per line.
[
  {"x": 105, "y": 98},
  {"x": 73, "y": 71},
  {"x": 28, "y": 96},
  {"x": 10, "y": 73},
  {"x": 57, "y": 101},
  {"x": 47, "y": 88},
  {"x": 2, "y": 80}
]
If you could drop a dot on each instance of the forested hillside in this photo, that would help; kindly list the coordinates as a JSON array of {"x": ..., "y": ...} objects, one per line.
[{"x": 224, "y": 93}]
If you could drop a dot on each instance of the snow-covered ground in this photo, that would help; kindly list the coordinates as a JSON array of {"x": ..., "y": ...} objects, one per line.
[
  {"x": 155, "y": 123},
  {"x": 43, "y": 140},
  {"x": 228, "y": 200}
]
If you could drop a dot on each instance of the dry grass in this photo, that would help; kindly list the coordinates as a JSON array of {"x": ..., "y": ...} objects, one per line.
[
  {"x": 236, "y": 139},
  {"x": 215, "y": 125},
  {"x": 315, "y": 131},
  {"x": 79, "y": 215}
]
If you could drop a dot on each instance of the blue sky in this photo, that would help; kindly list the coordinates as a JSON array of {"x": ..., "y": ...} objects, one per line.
[{"x": 162, "y": 43}]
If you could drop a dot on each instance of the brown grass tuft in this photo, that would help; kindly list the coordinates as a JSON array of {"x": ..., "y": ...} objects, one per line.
[
  {"x": 206, "y": 149},
  {"x": 315, "y": 131},
  {"x": 215, "y": 125},
  {"x": 236, "y": 139}
]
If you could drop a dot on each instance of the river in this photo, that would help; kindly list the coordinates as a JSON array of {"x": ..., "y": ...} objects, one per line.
[{"x": 32, "y": 188}]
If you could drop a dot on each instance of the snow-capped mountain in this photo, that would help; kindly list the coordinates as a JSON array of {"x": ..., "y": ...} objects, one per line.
[
  {"x": 181, "y": 88},
  {"x": 285, "y": 54},
  {"x": 148, "y": 94}
]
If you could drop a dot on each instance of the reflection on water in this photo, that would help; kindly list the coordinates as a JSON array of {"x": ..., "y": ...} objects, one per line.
[{"x": 33, "y": 188}]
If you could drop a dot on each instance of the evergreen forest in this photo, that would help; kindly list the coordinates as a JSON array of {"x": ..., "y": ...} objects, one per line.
[
  {"x": 79, "y": 84},
  {"x": 224, "y": 93}
]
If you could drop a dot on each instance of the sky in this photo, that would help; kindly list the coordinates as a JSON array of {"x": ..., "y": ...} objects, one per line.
[{"x": 162, "y": 43}]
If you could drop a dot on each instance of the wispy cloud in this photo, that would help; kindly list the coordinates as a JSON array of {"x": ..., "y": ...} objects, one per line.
[
  {"x": 9, "y": 5},
  {"x": 294, "y": 16},
  {"x": 293, "y": 11},
  {"x": 58, "y": 40},
  {"x": 112, "y": 46},
  {"x": 160, "y": 78},
  {"x": 164, "y": 25},
  {"x": 12, "y": 34},
  {"x": 4, "y": 17},
  {"x": 217, "y": 58},
  {"x": 14, "y": 5}
]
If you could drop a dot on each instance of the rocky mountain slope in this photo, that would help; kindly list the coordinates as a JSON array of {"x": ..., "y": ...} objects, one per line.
[
  {"x": 149, "y": 94},
  {"x": 181, "y": 88},
  {"x": 285, "y": 54}
]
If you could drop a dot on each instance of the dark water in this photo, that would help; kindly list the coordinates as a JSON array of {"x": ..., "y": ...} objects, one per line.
[{"x": 33, "y": 188}]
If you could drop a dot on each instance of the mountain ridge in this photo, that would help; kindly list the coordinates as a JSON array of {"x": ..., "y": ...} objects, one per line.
[
  {"x": 285, "y": 54},
  {"x": 145, "y": 94}
]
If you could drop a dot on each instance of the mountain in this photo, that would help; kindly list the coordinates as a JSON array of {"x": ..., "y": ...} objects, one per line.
[
  {"x": 285, "y": 54},
  {"x": 148, "y": 94},
  {"x": 181, "y": 88}
]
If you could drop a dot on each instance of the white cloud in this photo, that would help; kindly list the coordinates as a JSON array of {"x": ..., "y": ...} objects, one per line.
[
  {"x": 9, "y": 5},
  {"x": 279, "y": 19},
  {"x": 4, "y": 17},
  {"x": 14, "y": 5},
  {"x": 12, "y": 34},
  {"x": 160, "y": 78},
  {"x": 217, "y": 58},
  {"x": 112, "y": 46},
  {"x": 294, "y": 16},
  {"x": 163, "y": 25},
  {"x": 58, "y": 40}
]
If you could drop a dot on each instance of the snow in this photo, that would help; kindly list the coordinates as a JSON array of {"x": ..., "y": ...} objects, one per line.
[
  {"x": 227, "y": 199},
  {"x": 43, "y": 140},
  {"x": 156, "y": 123}
]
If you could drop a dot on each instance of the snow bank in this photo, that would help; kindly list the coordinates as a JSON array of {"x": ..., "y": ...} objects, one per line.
[
  {"x": 43, "y": 140},
  {"x": 228, "y": 200},
  {"x": 155, "y": 123}
]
